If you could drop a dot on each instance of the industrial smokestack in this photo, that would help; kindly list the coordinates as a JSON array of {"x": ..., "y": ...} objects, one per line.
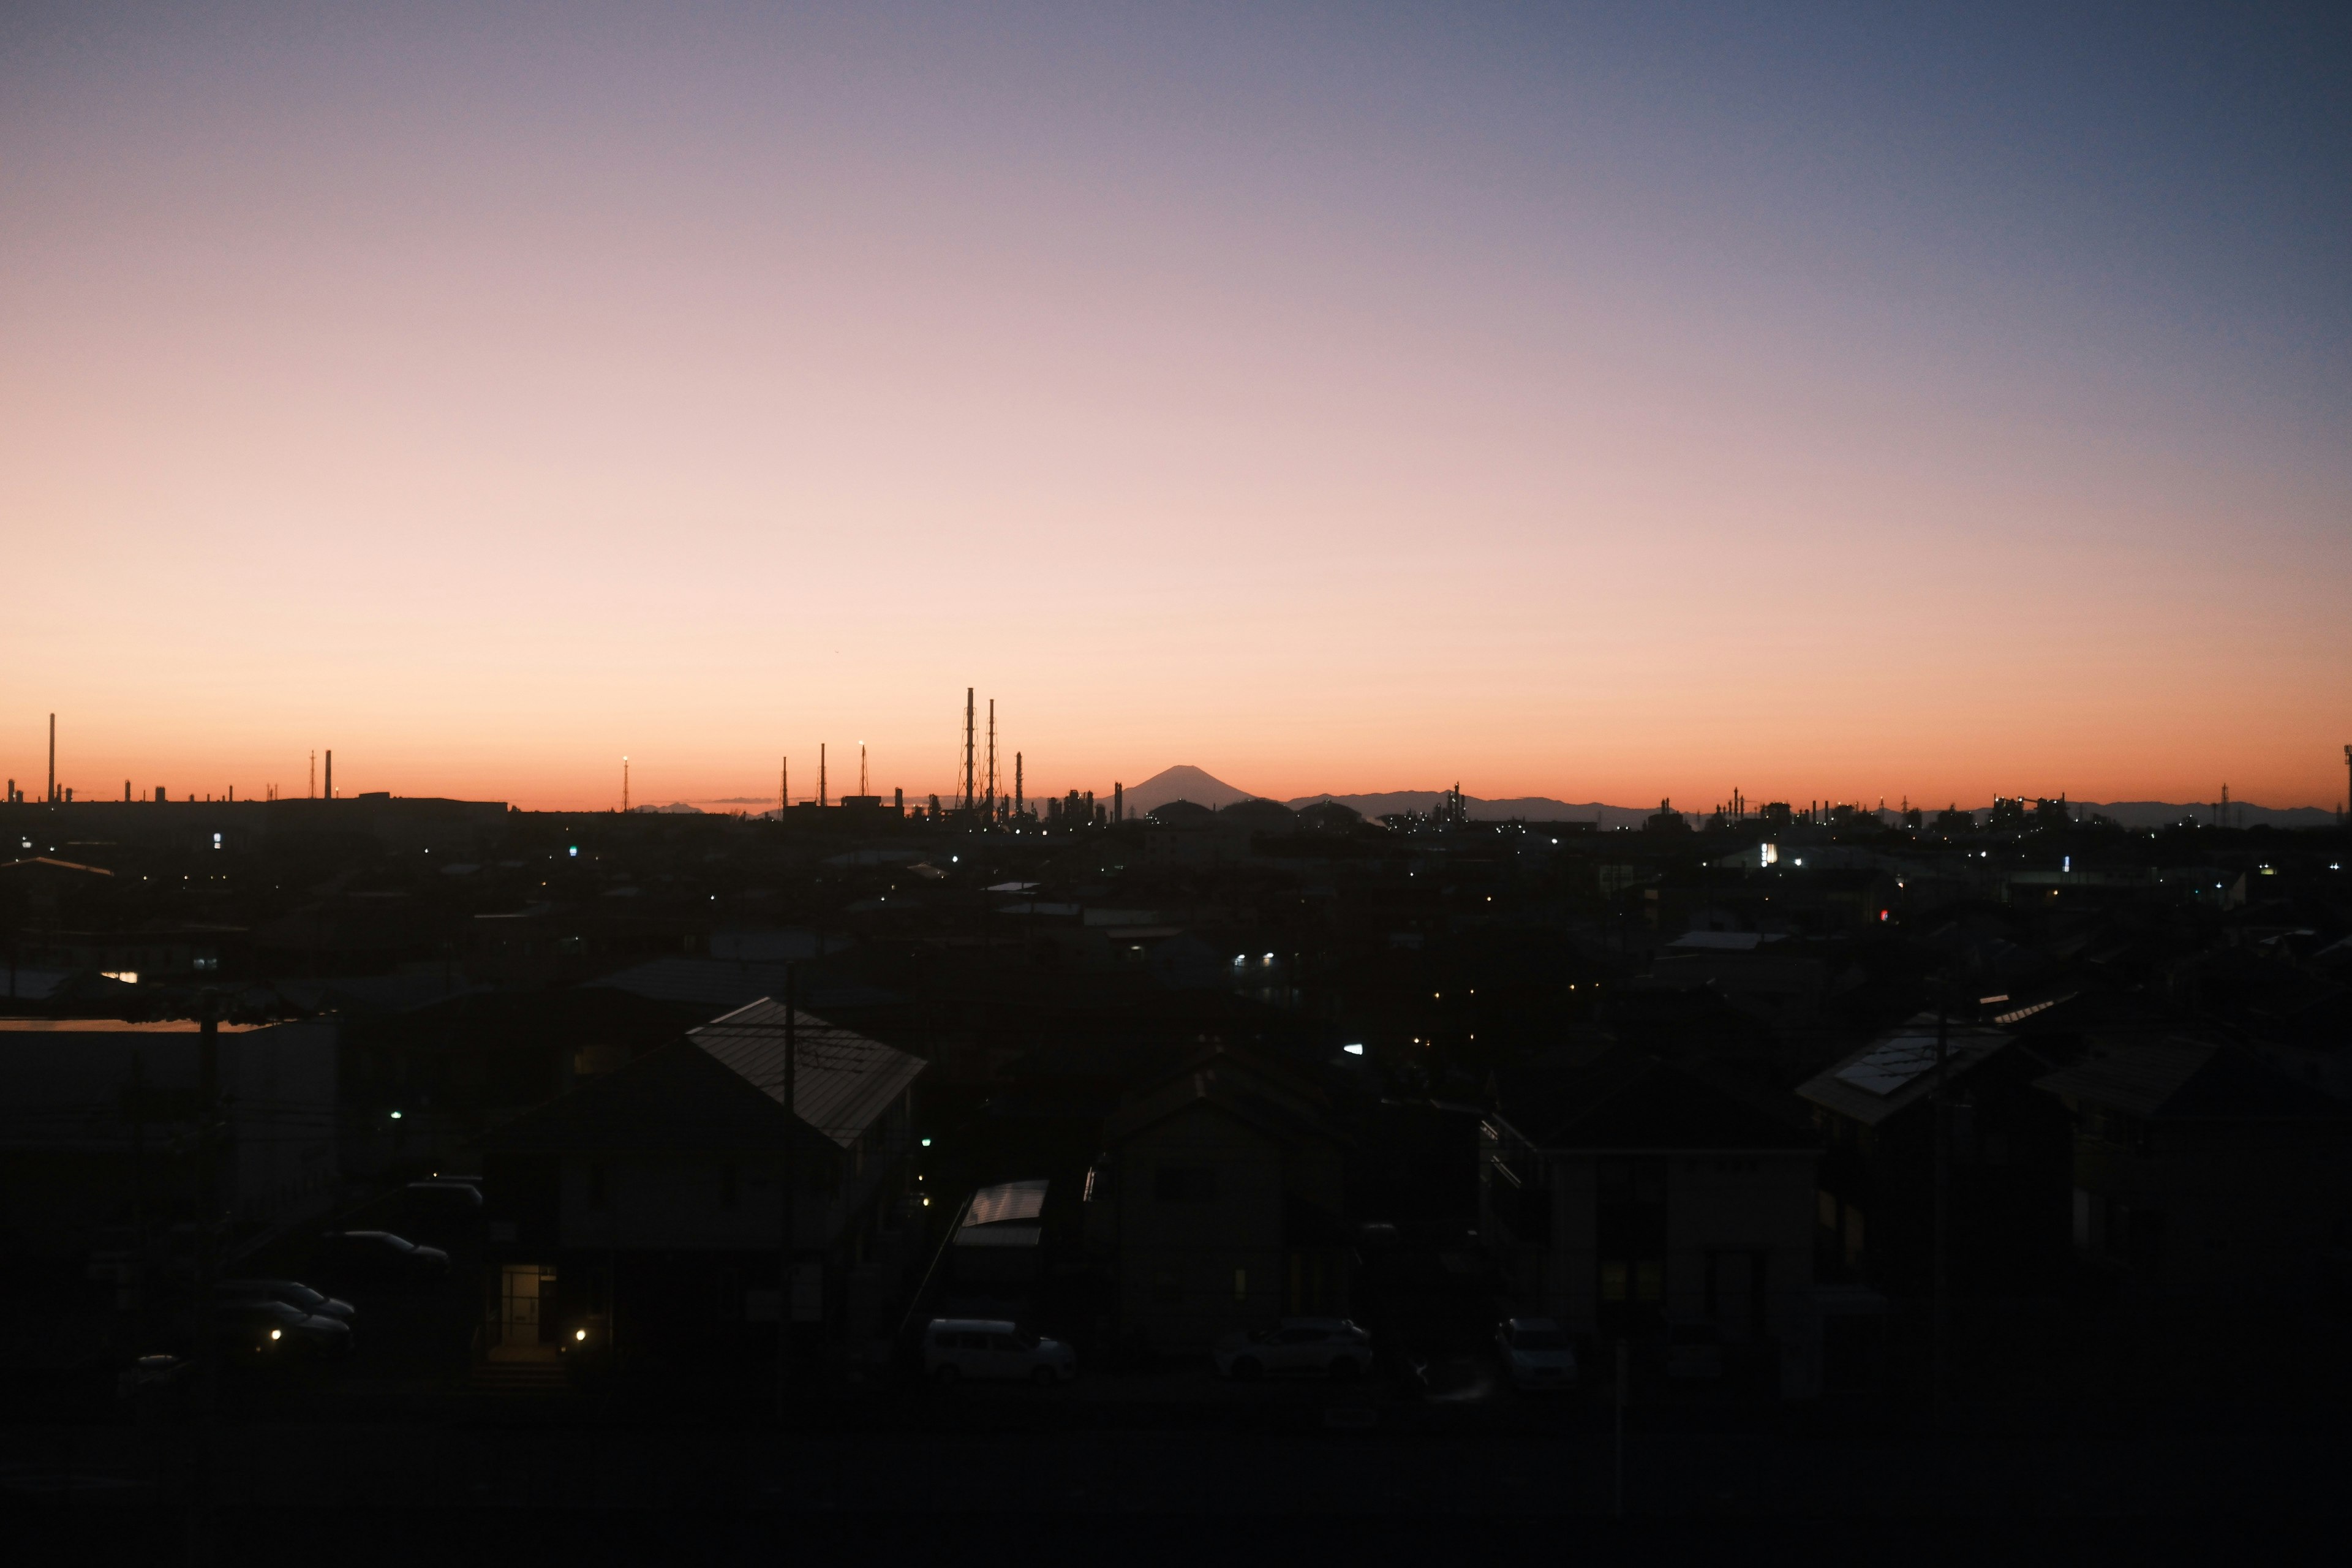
[
  {"x": 330, "y": 772},
  {"x": 52, "y": 795}
]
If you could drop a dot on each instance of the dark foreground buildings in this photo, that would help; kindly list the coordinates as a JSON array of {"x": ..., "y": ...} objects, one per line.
[{"x": 1789, "y": 1121}]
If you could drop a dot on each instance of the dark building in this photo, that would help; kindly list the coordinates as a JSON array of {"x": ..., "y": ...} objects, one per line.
[
  {"x": 642, "y": 1216},
  {"x": 1219, "y": 1202},
  {"x": 2008, "y": 1157},
  {"x": 1631, "y": 1199},
  {"x": 2201, "y": 1171}
]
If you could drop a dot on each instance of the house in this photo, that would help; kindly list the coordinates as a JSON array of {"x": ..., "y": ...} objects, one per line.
[
  {"x": 2006, "y": 1161},
  {"x": 644, "y": 1212},
  {"x": 2202, "y": 1170},
  {"x": 1633, "y": 1197},
  {"x": 101, "y": 1168},
  {"x": 1218, "y": 1200}
]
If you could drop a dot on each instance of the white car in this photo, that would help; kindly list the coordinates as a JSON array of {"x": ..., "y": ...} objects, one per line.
[
  {"x": 1537, "y": 1353},
  {"x": 958, "y": 1348},
  {"x": 1313, "y": 1347}
]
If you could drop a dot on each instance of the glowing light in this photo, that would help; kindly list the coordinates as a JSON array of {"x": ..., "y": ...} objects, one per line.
[
  {"x": 579, "y": 1335},
  {"x": 395, "y": 1116},
  {"x": 1353, "y": 1050}
]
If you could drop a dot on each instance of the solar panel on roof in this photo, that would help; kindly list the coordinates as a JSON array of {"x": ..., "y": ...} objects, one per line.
[
  {"x": 1013, "y": 1201},
  {"x": 1891, "y": 1064}
]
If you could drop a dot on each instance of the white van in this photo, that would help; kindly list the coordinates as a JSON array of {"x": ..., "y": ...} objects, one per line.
[{"x": 957, "y": 1348}]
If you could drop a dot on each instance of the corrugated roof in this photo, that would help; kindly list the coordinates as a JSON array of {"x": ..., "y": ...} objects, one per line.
[{"x": 842, "y": 1081}]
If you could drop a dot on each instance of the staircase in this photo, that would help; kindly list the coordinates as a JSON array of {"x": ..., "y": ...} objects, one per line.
[{"x": 536, "y": 1375}]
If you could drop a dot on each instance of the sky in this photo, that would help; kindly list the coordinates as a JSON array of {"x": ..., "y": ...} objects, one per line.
[{"x": 1601, "y": 402}]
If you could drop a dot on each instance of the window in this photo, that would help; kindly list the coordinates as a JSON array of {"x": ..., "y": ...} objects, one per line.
[{"x": 1185, "y": 1185}]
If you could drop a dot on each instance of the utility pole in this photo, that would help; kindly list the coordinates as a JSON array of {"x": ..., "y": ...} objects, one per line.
[
  {"x": 208, "y": 1347},
  {"x": 785, "y": 1262},
  {"x": 1624, "y": 1376},
  {"x": 1943, "y": 1150}
]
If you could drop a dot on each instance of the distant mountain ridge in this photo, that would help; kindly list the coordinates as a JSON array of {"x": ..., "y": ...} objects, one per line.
[{"x": 1527, "y": 807}]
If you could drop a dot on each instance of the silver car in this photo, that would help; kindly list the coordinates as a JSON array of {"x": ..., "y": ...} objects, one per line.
[
  {"x": 1297, "y": 1347},
  {"x": 958, "y": 1348},
  {"x": 1537, "y": 1354}
]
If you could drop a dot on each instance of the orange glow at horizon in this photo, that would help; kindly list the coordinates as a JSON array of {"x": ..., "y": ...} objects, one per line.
[{"x": 488, "y": 432}]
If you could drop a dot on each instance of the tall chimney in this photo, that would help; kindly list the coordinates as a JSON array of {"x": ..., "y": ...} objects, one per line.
[
  {"x": 330, "y": 772},
  {"x": 1118, "y": 803},
  {"x": 53, "y": 758}
]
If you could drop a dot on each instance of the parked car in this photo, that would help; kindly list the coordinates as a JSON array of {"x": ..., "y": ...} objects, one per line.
[
  {"x": 955, "y": 1348},
  {"x": 1693, "y": 1351},
  {"x": 1537, "y": 1354},
  {"x": 274, "y": 1330},
  {"x": 378, "y": 1254},
  {"x": 153, "y": 1381},
  {"x": 1315, "y": 1347},
  {"x": 294, "y": 1293}
]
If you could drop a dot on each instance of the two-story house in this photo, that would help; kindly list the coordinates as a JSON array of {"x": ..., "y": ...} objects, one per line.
[
  {"x": 2005, "y": 1159},
  {"x": 1633, "y": 1198},
  {"x": 1219, "y": 1201},
  {"x": 645, "y": 1215},
  {"x": 2200, "y": 1170}
]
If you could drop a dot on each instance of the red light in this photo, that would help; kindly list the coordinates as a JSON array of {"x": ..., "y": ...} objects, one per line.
[{"x": 1882, "y": 914}]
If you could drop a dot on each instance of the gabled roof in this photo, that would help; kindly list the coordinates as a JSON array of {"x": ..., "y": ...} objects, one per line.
[
  {"x": 1897, "y": 1069},
  {"x": 1225, "y": 1083},
  {"x": 842, "y": 1083},
  {"x": 2189, "y": 1080},
  {"x": 1630, "y": 1101}
]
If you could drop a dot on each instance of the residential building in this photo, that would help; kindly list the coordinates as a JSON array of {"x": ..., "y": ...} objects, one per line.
[
  {"x": 2201, "y": 1171},
  {"x": 1219, "y": 1201},
  {"x": 1634, "y": 1197},
  {"x": 646, "y": 1210}
]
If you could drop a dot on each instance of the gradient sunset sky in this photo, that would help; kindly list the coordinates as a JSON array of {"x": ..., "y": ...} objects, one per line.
[{"x": 1608, "y": 403}]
